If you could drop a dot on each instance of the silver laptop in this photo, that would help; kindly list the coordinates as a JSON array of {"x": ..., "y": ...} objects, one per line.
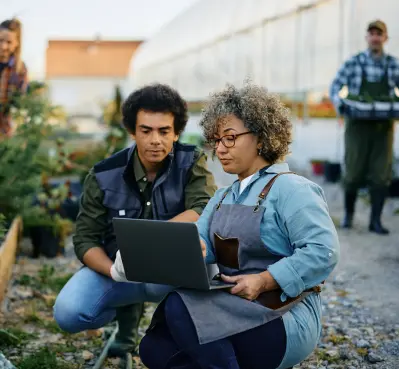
[{"x": 163, "y": 252}]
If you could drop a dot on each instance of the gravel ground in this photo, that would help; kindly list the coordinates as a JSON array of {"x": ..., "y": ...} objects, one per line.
[{"x": 360, "y": 302}]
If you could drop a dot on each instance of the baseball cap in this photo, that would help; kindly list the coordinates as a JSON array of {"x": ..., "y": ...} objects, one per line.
[{"x": 377, "y": 24}]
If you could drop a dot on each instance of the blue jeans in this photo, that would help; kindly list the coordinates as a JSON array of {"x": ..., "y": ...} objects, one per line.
[
  {"x": 89, "y": 299},
  {"x": 174, "y": 344}
]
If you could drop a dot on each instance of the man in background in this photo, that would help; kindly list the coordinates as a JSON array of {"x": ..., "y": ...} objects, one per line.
[{"x": 368, "y": 143}]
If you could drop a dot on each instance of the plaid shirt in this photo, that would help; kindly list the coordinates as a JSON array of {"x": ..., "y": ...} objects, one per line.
[
  {"x": 350, "y": 74},
  {"x": 11, "y": 83}
]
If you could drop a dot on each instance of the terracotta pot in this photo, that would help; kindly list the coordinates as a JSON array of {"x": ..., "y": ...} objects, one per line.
[{"x": 317, "y": 168}]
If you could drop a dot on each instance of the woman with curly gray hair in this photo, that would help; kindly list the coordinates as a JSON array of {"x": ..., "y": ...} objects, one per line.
[{"x": 272, "y": 238}]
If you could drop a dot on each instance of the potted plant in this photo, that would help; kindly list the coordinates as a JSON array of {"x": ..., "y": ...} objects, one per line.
[
  {"x": 117, "y": 136},
  {"x": 317, "y": 166},
  {"x": 332, "y": 171},
  {"x": 48, "y": 223},
  {"x": 393, "y": 189},
  {"x": 20, "y": 168}
]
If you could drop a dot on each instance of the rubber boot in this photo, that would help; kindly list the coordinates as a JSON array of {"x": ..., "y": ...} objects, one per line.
[
  {"x": 126, "y": 339},
  {"x": 350, "y": 200},
  {"x": 377, "y": 198}
]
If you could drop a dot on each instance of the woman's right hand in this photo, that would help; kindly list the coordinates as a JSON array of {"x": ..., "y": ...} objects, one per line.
[{"x": 203, "y": 248}]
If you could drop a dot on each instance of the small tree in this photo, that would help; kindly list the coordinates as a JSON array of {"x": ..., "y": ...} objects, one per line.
[
  {"x": 21, "y": 159},
  {"x": 117, "y": 137}
]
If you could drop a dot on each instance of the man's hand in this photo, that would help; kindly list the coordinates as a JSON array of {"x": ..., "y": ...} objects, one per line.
[
  {"x": 250, "y": 286},
  {"x": 203, "y": 248}
]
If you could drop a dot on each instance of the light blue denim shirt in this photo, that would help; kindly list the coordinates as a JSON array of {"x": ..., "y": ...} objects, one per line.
[{"x": 296, "y": 225}]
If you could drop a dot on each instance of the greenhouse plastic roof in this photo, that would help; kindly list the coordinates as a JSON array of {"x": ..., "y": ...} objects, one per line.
[{"x": 207, "y": 21}]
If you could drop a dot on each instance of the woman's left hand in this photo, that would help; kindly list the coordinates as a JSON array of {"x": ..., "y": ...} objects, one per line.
[{"x": 250, "y": 286}]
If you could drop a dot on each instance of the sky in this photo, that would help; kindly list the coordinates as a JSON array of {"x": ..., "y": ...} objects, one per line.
[{"x": 85, "y": 19}]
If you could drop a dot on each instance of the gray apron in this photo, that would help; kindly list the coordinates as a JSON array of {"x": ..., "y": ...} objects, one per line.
[{"x": 218, "y": 314}]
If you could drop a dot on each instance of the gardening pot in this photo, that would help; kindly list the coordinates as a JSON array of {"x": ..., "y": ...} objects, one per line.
[
  {"x": 332, "y": 172},
  {"x": 45, "y": 242},
  {"x": 317, "y": 168},
  {"x": 394, "y": 188}
]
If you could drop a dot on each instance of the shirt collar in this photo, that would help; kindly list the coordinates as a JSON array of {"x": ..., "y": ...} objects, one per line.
[
  {"x": 138, "y": 168},
  {"x": 368, "y": 54},
  {"x": 139, "y": 171},
  {"x": 278, "y": 168},
  {"x": 272, "y": 169}
]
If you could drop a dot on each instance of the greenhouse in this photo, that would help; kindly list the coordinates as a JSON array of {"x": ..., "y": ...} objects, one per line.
[{"x": 293, "y": 47}]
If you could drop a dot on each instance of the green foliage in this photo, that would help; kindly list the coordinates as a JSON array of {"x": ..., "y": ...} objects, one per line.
[
  {"x": 45, "y": 358},
  {"x": 368, "y": 99},
  {"x": 24, "y": 164},
  {"x": 20, "y": 175},
  {"x": 117, "y": 136},
  {"x": 20, "y": 171},
  {"x": 2, "y": 227},
  {"x": 79, "y": 162},
  {"x": 12, "y": 337},
  {"x": 45, "y": 279}
]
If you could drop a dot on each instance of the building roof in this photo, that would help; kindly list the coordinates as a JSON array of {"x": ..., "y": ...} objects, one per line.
[
  {"x": 292, "y": 47},
  {"x": 89, "y": 58},
  {"x": 207, "y": 21}
]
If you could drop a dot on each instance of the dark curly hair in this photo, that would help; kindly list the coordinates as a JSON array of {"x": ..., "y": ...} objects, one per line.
[
  {"x": 263, "y": 114},
  {"x": 156, "y": 98}
]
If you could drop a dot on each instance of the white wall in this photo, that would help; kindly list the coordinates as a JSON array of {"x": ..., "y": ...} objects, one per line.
[
  {"x": 317, "y": 139},
  {"x": 85, "y": 95},
  {"x": 267, "y": 40}
]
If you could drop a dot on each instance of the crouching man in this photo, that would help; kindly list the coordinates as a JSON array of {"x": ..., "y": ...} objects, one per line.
[{"x": 156, "y": 178}]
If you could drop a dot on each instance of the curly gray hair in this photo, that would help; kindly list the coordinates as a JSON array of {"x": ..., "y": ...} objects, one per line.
[{"x": 263, "y": 114}]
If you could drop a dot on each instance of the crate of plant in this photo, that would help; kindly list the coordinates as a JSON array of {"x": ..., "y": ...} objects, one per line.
[{"x": 367, "y": 108}]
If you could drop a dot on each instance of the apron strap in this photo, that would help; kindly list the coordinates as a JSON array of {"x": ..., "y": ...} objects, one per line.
[
  {"x": 267, "y": 189},
  {"x": 261, "y": 196},
  {"x": 272, "y": 299},
  {"x": 223, "y": 197}
]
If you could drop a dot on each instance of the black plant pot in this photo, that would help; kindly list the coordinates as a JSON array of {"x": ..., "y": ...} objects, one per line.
[
  {"x": 332, "y": 172},
  {"x": 394, "y": 188},
  {"x": 45, "y": 242}
]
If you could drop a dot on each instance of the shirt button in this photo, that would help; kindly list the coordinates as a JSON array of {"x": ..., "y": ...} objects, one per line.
[
  {"x": 329, "y": 254},
  {"x": 148, "y": 203},
  {"x": 145, "y": 179},
  {"x": 141, "y": 190}
]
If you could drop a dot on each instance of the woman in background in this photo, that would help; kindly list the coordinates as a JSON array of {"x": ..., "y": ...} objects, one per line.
[{"x": 13, "y": 72}]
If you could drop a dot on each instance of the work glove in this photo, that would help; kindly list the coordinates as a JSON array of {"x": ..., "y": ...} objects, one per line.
[{"x": 117, "y": 269}]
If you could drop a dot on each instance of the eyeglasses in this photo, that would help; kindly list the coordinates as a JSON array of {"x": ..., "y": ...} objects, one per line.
[{"x": 228, "y": 141}]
